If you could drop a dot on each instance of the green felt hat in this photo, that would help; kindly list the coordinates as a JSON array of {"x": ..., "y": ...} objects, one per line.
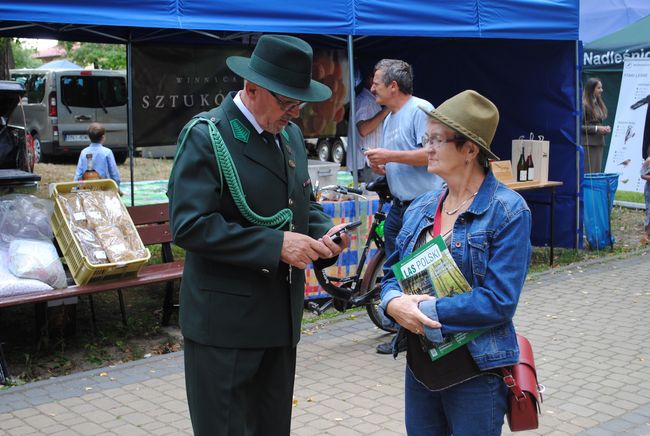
[
  {"x": 471, "y": 115},
  {"x": 281, "y": 64}
]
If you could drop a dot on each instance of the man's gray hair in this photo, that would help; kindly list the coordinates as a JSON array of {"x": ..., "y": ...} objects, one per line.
[{"x": 399, "y": 71}]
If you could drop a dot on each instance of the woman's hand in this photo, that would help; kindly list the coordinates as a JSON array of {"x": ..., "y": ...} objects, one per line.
[
  {"x": 603, "y": 130},
  {"x": 406, "y": 312}
]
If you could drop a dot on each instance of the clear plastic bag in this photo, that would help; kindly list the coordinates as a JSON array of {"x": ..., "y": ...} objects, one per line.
[
  {"x": 90, "y": 245},
  {"x": 24, "y": 216},
  {"x": 115, "y": 210},
  {"x": 115, "y": 245},
  {"x": 133, "y": 241},
  {"x": 36, "y": 259},
  {"x": 93, "y": 204},
  {"x": 74, "y": 209}
]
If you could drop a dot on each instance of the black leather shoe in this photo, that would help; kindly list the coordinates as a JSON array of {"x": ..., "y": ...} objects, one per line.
[{"x": 385, "y": 348}]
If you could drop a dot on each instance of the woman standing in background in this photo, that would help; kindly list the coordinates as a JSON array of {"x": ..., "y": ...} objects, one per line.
[{"x": 594, "y": 112}]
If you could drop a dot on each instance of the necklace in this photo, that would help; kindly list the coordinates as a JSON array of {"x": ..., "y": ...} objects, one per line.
[{"x": 453, "y": 212}]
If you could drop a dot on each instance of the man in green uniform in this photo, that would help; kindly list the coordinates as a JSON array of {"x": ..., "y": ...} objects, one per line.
[{"x": 241, "y": 205}]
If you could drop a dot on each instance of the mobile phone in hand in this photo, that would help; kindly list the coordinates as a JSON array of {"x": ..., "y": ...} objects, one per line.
[{"x": 336, "y": 236}]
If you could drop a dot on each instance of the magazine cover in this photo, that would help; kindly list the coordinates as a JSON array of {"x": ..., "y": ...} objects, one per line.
[{"x": 431, "y": 270}]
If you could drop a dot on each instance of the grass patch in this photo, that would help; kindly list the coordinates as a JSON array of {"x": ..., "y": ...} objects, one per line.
[
  {"x": 632, "y": 197},
  {"x": 82, "y": 347}
]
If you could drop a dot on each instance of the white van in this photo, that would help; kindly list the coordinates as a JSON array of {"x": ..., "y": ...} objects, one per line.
[{"x": 60, "y": 104}]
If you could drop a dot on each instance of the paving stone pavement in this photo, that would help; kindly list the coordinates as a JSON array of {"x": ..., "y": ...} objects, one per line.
[{"x": 588, "y": 326}]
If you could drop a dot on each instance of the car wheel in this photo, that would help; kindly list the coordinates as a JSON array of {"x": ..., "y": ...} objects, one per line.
[
  {"x": 38, "y": 152},
  {"x": 323, "y": 150},
  {"x": 338, "y": 152}
]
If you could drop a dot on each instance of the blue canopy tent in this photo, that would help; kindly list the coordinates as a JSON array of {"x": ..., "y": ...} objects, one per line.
[
  {"x": 599, "y": 18},
  {"x": 523, "y": 54},
  {"x": 61, "y": 64}
]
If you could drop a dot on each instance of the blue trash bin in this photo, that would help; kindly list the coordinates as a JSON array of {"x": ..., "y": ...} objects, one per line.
[{"x": 599, "y": 190}]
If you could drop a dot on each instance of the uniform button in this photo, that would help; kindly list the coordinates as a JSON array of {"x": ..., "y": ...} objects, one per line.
[
  {"x": 291, "y": 202},
  {"x": 265, "y": 271},
  {"x": 213, "y": 119},
  {"x": 457, "y": 244}
]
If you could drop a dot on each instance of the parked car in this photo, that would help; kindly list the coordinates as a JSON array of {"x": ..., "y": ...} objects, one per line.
[
  {"x": 16, "y": 144},
  {"x": 61, "y": 104}
]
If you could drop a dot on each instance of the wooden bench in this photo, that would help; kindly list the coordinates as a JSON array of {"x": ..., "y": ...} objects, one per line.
[{"x": 152, "y": 223}]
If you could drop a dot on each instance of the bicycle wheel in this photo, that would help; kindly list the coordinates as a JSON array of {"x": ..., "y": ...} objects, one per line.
[{"x": 375, "y": 276}]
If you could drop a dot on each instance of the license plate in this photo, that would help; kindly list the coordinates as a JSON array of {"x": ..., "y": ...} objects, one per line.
[{"x": 77, "y": 138}]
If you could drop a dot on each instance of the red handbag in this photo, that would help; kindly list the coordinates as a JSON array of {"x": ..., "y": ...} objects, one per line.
[{"x": 525, "y": 393}]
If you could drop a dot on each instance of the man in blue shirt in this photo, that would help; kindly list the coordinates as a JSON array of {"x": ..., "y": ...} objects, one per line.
[
  {"x": 103, "y": 160},
  {"x": 401, "y": 157},
  {"x": 369, "y": 117}
]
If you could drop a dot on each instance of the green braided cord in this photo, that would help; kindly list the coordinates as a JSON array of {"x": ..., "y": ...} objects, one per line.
[
  {"x": 182, "y": 143},
  {"x": 227, "y": 169}
]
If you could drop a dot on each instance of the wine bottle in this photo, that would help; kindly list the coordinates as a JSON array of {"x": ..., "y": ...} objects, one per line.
[
  {"x": 90, "y": 173},
  {"x": 522, "y": 172},
  {"x": 531, "y": 166}
]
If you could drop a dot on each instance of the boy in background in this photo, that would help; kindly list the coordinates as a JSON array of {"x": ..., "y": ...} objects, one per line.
[{"x": 103, "y": 160}]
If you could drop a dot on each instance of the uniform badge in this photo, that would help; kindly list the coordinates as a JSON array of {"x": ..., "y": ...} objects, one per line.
[{"x": 239, "y": 131}]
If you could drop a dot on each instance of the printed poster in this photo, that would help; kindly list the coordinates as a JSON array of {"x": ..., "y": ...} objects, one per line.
[{"x": 630, "y": 133}]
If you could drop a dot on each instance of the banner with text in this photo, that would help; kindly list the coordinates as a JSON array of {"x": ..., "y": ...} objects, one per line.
[
  {"x": 173, "y": 83},
  {"x": 629, "y": 135}
]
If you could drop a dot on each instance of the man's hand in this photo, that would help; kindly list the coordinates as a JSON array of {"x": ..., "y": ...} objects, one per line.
[
  {"x": 378, "y": 169},
  {"x": 300, "y": 250},
  {"x": 378, "y": 156},
  {"x": 405, "y": 311},
  {"x": 334, "y": 247}
]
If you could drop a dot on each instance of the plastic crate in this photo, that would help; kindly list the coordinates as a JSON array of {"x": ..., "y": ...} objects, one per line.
[
  {"x": 82, "y": 270},
  {"x": 322, "y": 172}
]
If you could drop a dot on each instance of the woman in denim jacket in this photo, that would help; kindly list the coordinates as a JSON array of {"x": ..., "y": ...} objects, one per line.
[{"x": 487, "y": 229}]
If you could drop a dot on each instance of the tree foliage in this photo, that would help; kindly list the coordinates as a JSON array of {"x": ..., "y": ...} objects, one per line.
[
  {"x": 14, "y": 55},
  {"x": 101, "y": 56},
  {"x": 23, "y": 56}
]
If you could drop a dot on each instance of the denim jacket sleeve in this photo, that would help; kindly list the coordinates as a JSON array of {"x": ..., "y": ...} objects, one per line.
[
  {"x": 390, "y": 288},
  {"x": 495, "y": 294}
]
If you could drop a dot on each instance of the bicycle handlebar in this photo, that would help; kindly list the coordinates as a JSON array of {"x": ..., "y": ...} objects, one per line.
[
  {"x": 355, "y": 191},
  {"x": 343, "y": 190}
]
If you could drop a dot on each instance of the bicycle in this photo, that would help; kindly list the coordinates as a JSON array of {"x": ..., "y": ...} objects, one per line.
[{"x": 364, "y": 287}]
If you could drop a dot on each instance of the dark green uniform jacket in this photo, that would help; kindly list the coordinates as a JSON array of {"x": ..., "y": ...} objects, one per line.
[{"x": 235, "y": 291}]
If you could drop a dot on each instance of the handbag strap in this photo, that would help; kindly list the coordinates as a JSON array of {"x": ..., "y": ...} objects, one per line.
[
  {"x": 435, "y": 230},
  {"x": 510, "y": 381}
]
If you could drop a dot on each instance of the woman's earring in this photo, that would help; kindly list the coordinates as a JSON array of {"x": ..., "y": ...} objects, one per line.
[{"x": 466, "y": 161}]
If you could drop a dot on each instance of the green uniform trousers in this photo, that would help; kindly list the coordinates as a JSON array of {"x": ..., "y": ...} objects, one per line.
[{"x": 243, "y": 392}]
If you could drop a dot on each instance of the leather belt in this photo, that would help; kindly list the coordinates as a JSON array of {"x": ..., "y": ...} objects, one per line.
[{"x": 403, "y": 204}]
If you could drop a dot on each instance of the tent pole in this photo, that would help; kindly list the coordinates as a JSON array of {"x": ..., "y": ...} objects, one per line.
[
  {"x": 578, "y": 106},
  {"x": 129, "y": 110},
  {"x": 352, "y": 130}
]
